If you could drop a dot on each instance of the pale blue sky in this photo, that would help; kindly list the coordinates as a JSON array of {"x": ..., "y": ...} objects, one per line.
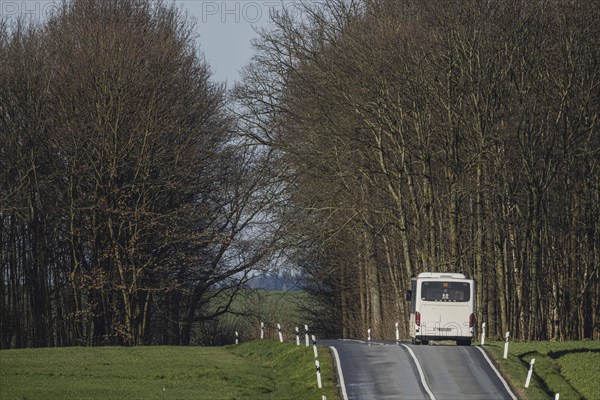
[{"x": 225, "y": 31}]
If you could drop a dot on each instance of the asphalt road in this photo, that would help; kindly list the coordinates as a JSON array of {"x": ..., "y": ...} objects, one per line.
[{"x": 390, "y": 370}]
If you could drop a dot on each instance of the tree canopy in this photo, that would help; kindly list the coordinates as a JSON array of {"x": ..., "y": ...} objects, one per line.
[
  {"x": 124, "y": 200},
  {"x": 438, "y": 136}
]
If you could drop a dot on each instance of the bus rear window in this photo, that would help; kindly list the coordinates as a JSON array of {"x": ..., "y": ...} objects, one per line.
[{"x": 445, "y": 291}]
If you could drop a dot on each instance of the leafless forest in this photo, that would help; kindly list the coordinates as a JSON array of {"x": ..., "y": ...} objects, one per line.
[
  {"x": 367, "y": 141},
  {"x": 427, "y": 135},
  {"x": 124, "y": 199}
]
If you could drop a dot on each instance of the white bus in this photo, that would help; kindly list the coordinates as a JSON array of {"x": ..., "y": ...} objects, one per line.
[{"x": 442, "y": 307}]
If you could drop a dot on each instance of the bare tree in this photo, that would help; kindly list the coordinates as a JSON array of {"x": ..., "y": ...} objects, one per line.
[
  {"x": 124, "y": 190},
  {"x": 428, "y": 136}
]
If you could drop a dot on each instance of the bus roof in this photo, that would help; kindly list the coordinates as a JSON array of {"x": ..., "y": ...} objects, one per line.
[{"x": 441, "y": 275}]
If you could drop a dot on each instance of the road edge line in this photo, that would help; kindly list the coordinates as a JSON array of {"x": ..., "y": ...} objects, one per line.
[
  {"x": 412, "y": 354},
  {"x": 498, "y": 374},
  {"x": 340, "y": 373}
]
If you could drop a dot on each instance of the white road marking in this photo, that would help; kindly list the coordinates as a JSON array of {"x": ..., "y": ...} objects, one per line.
[
  {"x": 497, "y": 373},
  {"x": 420, "y": 372},
  {"x": 340, "y": 374}
]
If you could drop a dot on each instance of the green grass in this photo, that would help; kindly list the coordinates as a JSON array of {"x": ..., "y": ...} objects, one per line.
[
  {"x": 249, "y": 308},
  {"x": 292, "y": 372},
  {"x": 569, "y": 368},
  {"x": 256, "y": 370}
]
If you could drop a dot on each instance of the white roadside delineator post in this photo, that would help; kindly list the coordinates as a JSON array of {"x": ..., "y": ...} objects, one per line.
[
  {"x": 306, "y": 334},
  {"x": 483, "y": 334},
  {"x": 297, "y": 336},
  {"x": 314, "y": 341},
  {"x": 557, "y": 396},
  {"x": 236, "y": 338},
  {"x": 529, "y": 372},
  {"x": 369, "y": 336},
  {"x": 397, "y": 333},
  {"x": 319, "y": 383},
  {"x": 506, "y": 345},
  {"x": 280, "y": 334},
  {"x": 262, "y": 330}
]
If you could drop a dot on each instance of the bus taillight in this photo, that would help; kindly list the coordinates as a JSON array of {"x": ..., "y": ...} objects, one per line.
[
  {"x": 418, "y": 318},
  {"x": 471, "y": 320}
]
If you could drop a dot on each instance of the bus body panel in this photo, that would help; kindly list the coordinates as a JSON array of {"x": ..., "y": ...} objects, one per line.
[
  {"x": 445, "y": 320},
  {"x": 445, "y": 306}
]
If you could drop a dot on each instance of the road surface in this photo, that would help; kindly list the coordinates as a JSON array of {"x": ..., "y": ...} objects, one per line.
[{"x": 390, "y": 370}]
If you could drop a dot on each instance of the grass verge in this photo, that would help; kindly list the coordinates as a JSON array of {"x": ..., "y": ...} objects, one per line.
[
  {"x": 569, "y": 368},
  {"x": 256, "y": 370}
]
